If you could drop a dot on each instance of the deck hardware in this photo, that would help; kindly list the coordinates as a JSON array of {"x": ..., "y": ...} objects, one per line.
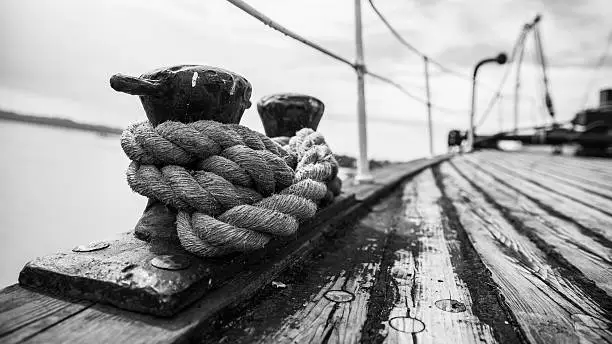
[
  {"x": 279, "y": 285},
  {"x": 339, "y": 296},
  {"x": 407, "y": 324},
  {"x": 212, "y": 94},
  {"x": 501, "y": 59},
  {"x": 92, "y": 246},
  {"x": 284, "y": 114},
  {"x": 171, "y": 262},
  {"x": 450, "y": 305}
]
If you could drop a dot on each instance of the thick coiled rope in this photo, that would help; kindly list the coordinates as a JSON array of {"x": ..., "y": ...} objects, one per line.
[{"x": 234, "y": 188}]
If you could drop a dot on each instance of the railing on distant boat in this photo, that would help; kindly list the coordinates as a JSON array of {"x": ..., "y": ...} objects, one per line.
[{"x": 363, "y": 172}]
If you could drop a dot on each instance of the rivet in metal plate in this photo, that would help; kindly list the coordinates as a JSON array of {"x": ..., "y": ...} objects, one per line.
[
  {"x": 92, "y": 246},
  {"x": 339, "y": 296},
  {"x": 450, "y": 305},
  {"x": 171, "y": 262},
  {"x": 407, "y": 324}
]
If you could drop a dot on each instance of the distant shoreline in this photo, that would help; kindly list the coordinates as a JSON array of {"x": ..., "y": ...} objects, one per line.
[
  {"x": 59, "y": 123},
  {"x": 343, "y": 160}
]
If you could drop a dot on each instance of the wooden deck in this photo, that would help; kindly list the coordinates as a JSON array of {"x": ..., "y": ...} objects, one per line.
[{"x": 489, "y": 247}]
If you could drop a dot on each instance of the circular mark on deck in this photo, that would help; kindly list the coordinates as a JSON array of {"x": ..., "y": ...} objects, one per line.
[
  {"x": 171, "y": 262},
  {"x": 407, "y": 324},
  {"x": 450, "y": 305},
  {"x": 590, "y": 321},
  {"x": 339, "y": 296},
  {"x": 92, "y": 246}
]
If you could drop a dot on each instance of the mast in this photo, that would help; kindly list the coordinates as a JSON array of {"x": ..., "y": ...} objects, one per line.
[{"x": 363, "y": 167}]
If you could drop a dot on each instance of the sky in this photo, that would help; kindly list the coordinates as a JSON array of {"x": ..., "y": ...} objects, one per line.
[{"x": 56, "y": 58}]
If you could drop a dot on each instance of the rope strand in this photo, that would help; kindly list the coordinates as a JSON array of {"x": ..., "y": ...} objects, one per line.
[{"x": 233, "y": 187}]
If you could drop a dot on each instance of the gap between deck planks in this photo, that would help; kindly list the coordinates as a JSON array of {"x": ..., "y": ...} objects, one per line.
[
  {"x": 399, "y": 263},
  {"x": 577, "y": 177},
  {"x": 592, "y": 164},
  {"x": 99, "y": 323},
  {"x": 553, "y": 235},
  {"x": 23, "y": 313},
  {"x": 428, "y": 288},
  {"x": 592, "y": 222},
  {"x": 549, "y": 307},
  {"x": 572, "y": 192}
]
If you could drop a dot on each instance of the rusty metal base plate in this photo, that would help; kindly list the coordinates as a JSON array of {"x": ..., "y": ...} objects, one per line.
[{"x": 157, "y": 276}]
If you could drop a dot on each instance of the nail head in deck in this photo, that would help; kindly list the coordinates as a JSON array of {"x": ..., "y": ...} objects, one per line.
[
  {"x": 92, "y": 246},
  {"x": 407, "y": 324},
  {"x": 339, "y": 296},
  {"x": 450, "y": 305},
  {"x": 171, "y": 262}
]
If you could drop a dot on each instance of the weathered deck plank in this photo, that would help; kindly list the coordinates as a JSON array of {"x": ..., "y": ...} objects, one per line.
[
  {"x": 337, "y": 312},
  {"x": 390, "y": 178},
  {"x": 123, "y": 275},
  {"x": 577, "y": 178},
  {"x": 405, "y": 241},
  {"x": 581, "y": 166},
  {"x": 579, "y": 195},
  {"x": 24, "y": 313},
  {"x": 102, "y": 323},
  {"x": 591, "y": 220},
  {"x": 549, "y": 255},
  {"x": 429, "y": 290},
  {"x": 544, "y": 302},
  {"x": 106, "y": 324},
  {"x": 549, "y": 232}
]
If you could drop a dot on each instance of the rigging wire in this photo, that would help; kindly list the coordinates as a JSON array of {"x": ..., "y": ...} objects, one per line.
[
  {"x": 411, "y": 95},
  {"x": 540, "y": 106},
  {"x": 271, "y": 23},
  {"x": 497, "y": 94},
  {"x": 412, "y": 47},
  {"x": 519, "y": 46},
  {"x": 417, "y": 51}
]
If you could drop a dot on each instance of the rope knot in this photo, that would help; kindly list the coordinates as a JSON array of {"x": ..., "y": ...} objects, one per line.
[{"x": 234, "y": 188}]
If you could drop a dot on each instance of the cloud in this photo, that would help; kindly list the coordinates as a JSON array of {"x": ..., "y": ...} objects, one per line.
[{"x": 63, "y": 52}]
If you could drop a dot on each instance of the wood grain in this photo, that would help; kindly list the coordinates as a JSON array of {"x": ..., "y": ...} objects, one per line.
[
  {"x": 575, "y": 177},
  {"x": 123, "y": 276},
  {"x": 599, "y": 168},
  {"x": 391, "y": 176},
  {"x": 427, "y": 276},
  {"x": 303, "y": 310},
  {"x": 590, "y": 257},
  {"x": 544, "y": 302},
  {"x": 102, "y": 323},
  {"x": 24, "y": 313},
  {"x": 577, "y": 194},
  {"x": 590, "y": 219},
  {"x": 322, "y": 319}
]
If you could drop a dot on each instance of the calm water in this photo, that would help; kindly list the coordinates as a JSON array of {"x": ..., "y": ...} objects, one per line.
[{"x": 61, "y": 188}]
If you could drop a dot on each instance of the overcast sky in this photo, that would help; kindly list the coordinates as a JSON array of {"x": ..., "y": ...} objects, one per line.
[{"x": 56, "y": 56}]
